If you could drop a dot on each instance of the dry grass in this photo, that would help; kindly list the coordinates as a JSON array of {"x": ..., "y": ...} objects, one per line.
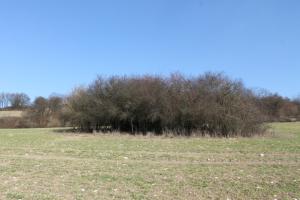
[
  {"x": 11, "y": 114},
  {"x": 41, "y": 164}
]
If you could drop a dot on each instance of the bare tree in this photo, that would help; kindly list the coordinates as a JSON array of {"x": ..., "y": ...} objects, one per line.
[
  {"x": 209, "y": 104},
  {"x": 19, "y": 100}
]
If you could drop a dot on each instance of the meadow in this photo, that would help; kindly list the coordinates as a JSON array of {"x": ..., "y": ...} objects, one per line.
[
  {"x": 47, "y": 164},
  {"x": 11, "y": 113}
]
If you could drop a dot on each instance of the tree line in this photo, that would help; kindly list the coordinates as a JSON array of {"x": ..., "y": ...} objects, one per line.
[
  {"x": 14, "y": 100},
  {"x": 42, "y": 112},
  {"x": 209, "y": 104},
  {"x": 277, "y": 108}
]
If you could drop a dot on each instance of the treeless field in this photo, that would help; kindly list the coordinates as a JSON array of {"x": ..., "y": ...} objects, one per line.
[
  {"x": 44, "y": 164},
  {"x": 11, "y": 114}
]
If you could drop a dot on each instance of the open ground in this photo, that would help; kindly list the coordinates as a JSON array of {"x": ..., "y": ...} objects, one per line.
[
  {"x": 11, "y": 113},
  {"x": 45, "y": 164}
]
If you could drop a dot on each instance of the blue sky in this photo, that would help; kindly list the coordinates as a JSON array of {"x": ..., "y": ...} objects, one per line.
[{"x": 54, "y": 45}]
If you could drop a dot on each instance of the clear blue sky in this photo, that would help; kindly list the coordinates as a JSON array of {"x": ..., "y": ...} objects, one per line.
[{"x": 54, "y": 45}]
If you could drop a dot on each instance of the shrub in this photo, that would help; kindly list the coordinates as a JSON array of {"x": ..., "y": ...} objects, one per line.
[{"x": 210, "y": 104}]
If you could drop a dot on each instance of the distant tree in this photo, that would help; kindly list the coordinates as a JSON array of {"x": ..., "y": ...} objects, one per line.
[
  {"x": 289, "y": 109},
  {"x": 7, "y": 98},
  {"x": 55, "y": 104},
  {"x": 47, "y": 112},
  {"x": 2, "y": 99},
  {"x": 40, "y": 111},
  {"x": 277, "y": 108},
  {"x": 19, "y": 100}
]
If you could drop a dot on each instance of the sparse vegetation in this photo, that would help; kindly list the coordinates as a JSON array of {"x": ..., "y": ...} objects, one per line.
[
  {"x": 12, "y": 119},
  {"x": 43, "y": 112},
  {"x": 11, "y": 113}
]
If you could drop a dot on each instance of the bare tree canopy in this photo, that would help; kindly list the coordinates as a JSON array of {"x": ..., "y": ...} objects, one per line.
[
  {"x": 14, "y": 100},
  {"x": 208, "y": 104}
]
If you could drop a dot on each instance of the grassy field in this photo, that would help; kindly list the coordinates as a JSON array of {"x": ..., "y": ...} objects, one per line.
[{"x": 44, "y": 164}]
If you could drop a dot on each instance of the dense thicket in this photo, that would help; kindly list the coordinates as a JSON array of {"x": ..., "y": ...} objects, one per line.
[
  {"x": 209, "y": 104},
  {"x": 277, "y": 108}
]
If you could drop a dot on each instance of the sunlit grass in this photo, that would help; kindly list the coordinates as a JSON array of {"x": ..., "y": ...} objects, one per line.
[{"x": 43, "y": 164}]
